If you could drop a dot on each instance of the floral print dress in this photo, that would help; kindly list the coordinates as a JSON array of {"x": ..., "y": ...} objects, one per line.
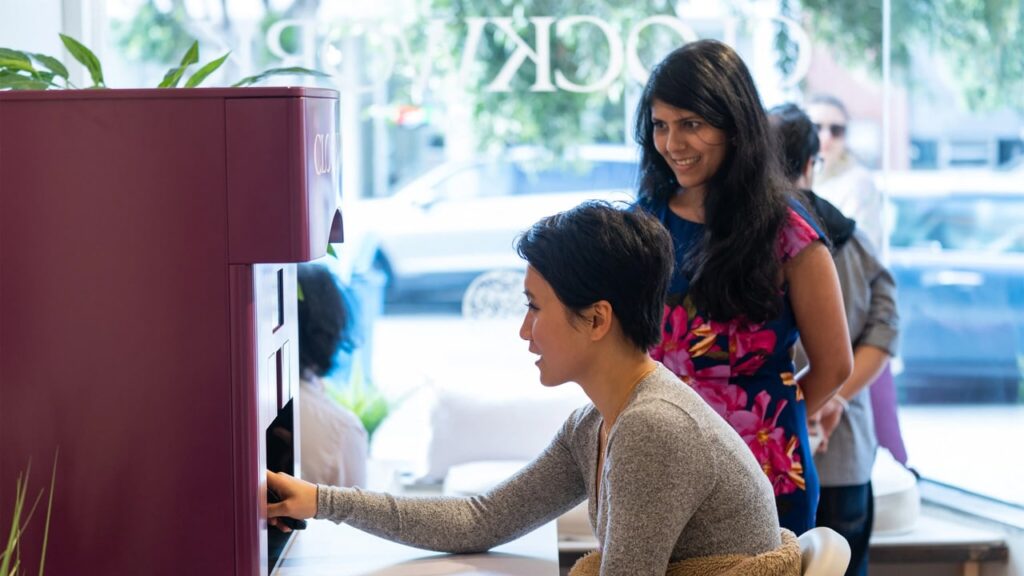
[{"x": 745, "y": 371}]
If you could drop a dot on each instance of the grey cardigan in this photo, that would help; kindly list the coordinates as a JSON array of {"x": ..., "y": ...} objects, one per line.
[
  {"x": 678, "y": 482},
  {"x": 869, "y": 294}
]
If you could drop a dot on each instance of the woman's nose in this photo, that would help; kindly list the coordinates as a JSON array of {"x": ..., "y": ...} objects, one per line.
[
  {"x": 524, "y": 328},
  {"x": 675, "y": 141}
]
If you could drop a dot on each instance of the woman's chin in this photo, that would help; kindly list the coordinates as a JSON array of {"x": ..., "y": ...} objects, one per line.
[{"x": 549, "y": 382}]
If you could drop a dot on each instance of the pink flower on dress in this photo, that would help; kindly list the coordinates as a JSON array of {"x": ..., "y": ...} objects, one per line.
[
  {"x": 753, "y": 341},
  {"x": 680, "y": 363},
  {"x": 772, "y": 449},
  {"x": 670, "y": 341},
  {"x": 796, "y": 235},
  {"x": 673, "y": 351},
  {"x": 748, "y": 349},
  {"x": 724, "y": 398},
  {"x": 703, "y": 340},
  {"x": 683, "y": 339}
]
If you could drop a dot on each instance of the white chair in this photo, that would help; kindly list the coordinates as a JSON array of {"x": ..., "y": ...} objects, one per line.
[{"x": 823, "y": 552}]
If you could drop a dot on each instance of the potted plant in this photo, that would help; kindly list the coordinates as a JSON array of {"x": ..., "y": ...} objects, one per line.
[
  {"x": 33, "y": 71},
  {"x": 362, "y": 398}
]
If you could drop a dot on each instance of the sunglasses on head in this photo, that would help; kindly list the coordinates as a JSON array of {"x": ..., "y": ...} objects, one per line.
[{"x": 837, "y": 130}]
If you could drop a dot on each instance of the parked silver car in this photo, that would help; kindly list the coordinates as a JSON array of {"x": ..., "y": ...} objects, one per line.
[
  {"x": 956, "y": 249},
  {"x": 435, "y": 234}
]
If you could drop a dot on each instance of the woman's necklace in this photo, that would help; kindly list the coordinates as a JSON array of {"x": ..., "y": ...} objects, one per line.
[
  {"x": 605, "y": 429},
  {"x": 602, "y": 436}
]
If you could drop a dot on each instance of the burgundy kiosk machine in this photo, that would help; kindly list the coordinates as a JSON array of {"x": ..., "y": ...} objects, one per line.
[{"x": 147, "y": 317}]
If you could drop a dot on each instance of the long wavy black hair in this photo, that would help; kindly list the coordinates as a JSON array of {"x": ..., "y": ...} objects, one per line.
[{"x": 735, "y": 271}]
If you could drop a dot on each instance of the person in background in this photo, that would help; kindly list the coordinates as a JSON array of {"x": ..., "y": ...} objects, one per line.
[
  {"x": 847, "y": 452},
  {"x": 843, "y": 181},
  {"x": 752, "y": 270},
  {"x": 670, "y": 483},
  {"x": 333, "y": 441},
  {"x": 849, "y": 186}
]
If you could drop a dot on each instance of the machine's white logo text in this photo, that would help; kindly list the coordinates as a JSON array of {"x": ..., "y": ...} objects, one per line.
[{"x": 325, "y": 153}]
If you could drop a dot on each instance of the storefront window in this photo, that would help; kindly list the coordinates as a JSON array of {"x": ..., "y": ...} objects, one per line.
[
  {"x": 464, "y": 122},
  {"x": 955, "y": 244}
]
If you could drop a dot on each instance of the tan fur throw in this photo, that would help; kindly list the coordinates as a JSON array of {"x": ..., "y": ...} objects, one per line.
[{"x": 782, "y": 561}]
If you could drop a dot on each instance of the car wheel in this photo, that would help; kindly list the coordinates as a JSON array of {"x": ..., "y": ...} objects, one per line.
[{"x": 494, "y": 294}]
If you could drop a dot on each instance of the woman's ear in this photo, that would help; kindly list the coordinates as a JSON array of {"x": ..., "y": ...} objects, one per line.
[
  {"x": 806, "y": 179},
  {"x": 600, "y": 319}
]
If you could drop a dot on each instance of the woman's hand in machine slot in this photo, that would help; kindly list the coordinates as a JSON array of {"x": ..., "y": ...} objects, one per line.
[{"x": 297, "y": 499}]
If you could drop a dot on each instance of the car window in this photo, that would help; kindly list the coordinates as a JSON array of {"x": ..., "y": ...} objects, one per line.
[
  {"x": 572, "y": 177},
  {"x": 976, "y": 223},
  {"x": 474, "y": 181}
]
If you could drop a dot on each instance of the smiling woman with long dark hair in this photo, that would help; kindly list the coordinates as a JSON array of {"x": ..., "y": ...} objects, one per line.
[{"x": 752, "y": 269}]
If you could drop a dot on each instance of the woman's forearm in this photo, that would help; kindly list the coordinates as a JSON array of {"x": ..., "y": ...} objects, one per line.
[
  {"x": 817, "y": 302},
  {"x": 818, "y": 385},
  {"x": 868, "y": 363}
]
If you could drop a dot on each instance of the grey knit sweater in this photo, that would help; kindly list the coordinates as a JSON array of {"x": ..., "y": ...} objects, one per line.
[{"x": 678, "y": 482}]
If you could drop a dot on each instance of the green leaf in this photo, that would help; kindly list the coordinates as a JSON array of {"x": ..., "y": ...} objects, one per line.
[
  {"x": 16, "y": 66},
  {"x": 86, "y": 58},
  {"x": 44, "y": 77},
  {"x": 10, "y": 555},
  {"x": 191, "y": 55},
  {"x": 292, "y": 71},
  {"x": 173, "y": 75},
  {"x": 49, "y": 510},
  {"x": 15, "y": 533},
  {"x": 14, "y": 62},
  {"x": 52, "y": 64},
  {"x": 205, "y": 71},
  {"x": 14, "y": 55},
  {"x": 363, "y": 398},
  {"x": 301, "y": 296},
  {"x": 330, "y": 250},
  {"x": 16, "y": 82}
]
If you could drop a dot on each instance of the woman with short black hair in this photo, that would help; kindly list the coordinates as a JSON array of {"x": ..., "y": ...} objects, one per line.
[{"x": 670, "y": 484}]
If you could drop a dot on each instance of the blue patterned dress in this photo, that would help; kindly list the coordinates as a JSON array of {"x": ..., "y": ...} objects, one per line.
[{"x": 745, "y": 371}]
